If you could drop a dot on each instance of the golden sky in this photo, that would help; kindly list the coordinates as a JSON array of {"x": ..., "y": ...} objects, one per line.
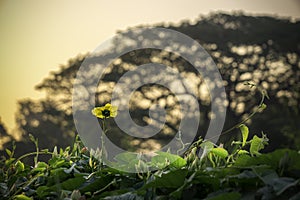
[{"x": 36, "y": 37}]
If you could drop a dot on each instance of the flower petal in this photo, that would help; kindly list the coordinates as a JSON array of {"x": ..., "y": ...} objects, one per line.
[
  {"x": 98, "y": 111},
  {"x": 108, "y": 106}
]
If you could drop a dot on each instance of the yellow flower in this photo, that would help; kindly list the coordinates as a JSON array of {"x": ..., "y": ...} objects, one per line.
[{"x": 105, "y": 112}]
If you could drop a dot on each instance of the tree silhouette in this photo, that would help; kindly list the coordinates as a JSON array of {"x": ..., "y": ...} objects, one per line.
[
  {"x": 4, "y": 136},
  {"x": 261, "y": 50}
]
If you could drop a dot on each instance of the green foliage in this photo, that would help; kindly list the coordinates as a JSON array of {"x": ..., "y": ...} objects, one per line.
[
  {"x": 74, "y": 173},
  {"x": 245, "y": 132},
  {"x": 205, "y": 171},
  {"x": 257, "y": 144},
  {"x": 221, "y": 152},
  {"x": 164, "y": 159}
]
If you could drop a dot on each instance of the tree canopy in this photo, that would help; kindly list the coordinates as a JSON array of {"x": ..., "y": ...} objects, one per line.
[{"x": 263, "y": 50}]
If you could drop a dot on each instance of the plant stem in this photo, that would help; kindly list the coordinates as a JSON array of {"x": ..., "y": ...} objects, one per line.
[
  {"x": 33, "y": 153},
  {"x": 263, "y": 95}
]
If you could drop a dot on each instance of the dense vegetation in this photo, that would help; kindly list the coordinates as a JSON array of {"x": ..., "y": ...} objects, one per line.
[
  {"x": 204, "y": 171},
  {"x": 74, "y": 173}
]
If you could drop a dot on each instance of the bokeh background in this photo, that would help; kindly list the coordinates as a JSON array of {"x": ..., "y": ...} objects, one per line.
[{"x": 44, "y": 42}]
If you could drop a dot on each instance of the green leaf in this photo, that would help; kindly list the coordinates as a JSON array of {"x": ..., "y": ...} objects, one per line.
[
  {"x": 267, "y": 176},
  {"x": 224, "y": 195},
  {"x": 126, "y": 161},
  {"x": 9, "y": 161},
  {"x": 245, "y": 132},
  {"x": 271, "y": 159},
  {"x": 70, "y": 184},
  {"x": 257, "y": 144},
  {"x": 177, "y": 194},
  {"x": 39, "y": 169},
  {"x": 159, "y": 162},
  {"x": 240, "y": 152},
  {"x": 172, "y": 179},
  {"x": 164, "y": 159},
  {"x": 19, "y": 166},
  {"x": 95, "y": 183},
  {"x": 180, "y": 162},
  {"x": 56, "y": 162},
  {"x": 280, "y": 185},
  {"x": 9, "y": 153},
  {"x": 125, "y": 196},
  {"x": 208, "y": 180},
  {"x": 57, "y": 175},
  {"x": 126, "y": 157},
  {"x": 32, "y": 138},
  {"x": 221, "y": 152},
  {"x": 67, "y": 149},
  {"x": 22, "y": 197},
  {"x": 42, "y": 191},
  {"x": 247, "y": 174},
  {"x": 207, "y": 146}
]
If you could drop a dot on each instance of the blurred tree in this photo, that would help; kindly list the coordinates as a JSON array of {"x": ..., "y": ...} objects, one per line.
[
  {"x": 262, "y": 50},
  {"x": 4, "y": 136},
  {"x": 45, "y": 121},
  {"x": 50, "y": 119}
]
